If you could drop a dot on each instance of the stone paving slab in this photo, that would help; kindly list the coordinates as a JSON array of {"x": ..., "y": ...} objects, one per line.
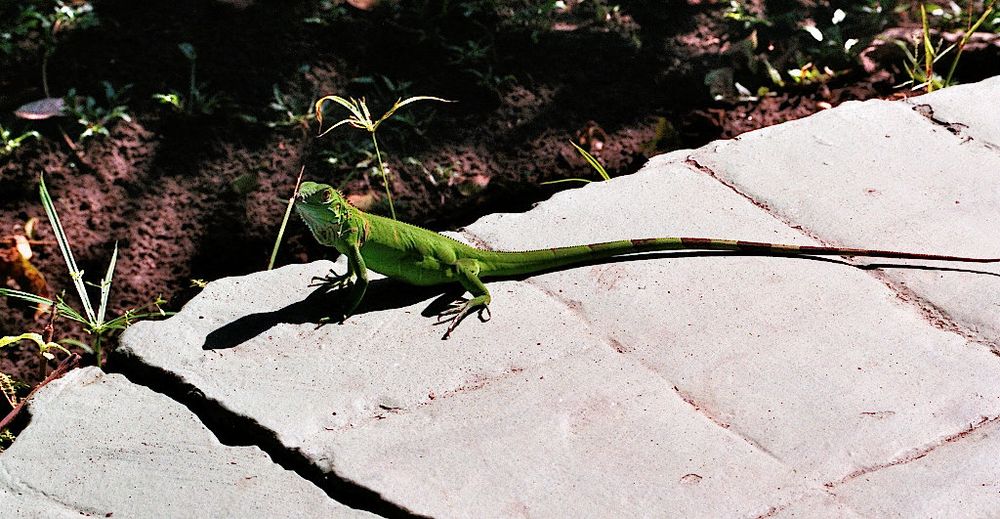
[
  {"x": 788, "y": 352},
  {"x": 300, "y": 380},
  {"x": 681, "y": 384},
  {"x": 591, "y": 435},
  {"x": 100, "y": 446},
  {"x": 959, "y": 476},
  {"x": 885, "y": 175},
  {"x": 971, "y": 110}
]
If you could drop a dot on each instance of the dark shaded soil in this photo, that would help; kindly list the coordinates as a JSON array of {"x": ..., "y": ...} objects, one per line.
[{"x": 197, "y": 197}]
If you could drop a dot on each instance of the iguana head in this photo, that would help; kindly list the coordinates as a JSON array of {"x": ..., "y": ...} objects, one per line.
[{"x": 324, "y": 210}]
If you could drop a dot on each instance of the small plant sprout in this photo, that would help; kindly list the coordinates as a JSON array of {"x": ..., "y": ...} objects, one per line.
[
  {"x": 590, "y": 160},
  {"x": 95, "y": 118},
  {"x": 361, "y": 118},
  {"x": 9, "y": 142},
  {"x": 294, "y": 110},
  {"x": 95, "y": 322},
  {"x": 197, "y": 101},
  {"x": 63, "y": 16},
  {"x": 45, "y": 348},
  {"x": 10, "y": 388}
]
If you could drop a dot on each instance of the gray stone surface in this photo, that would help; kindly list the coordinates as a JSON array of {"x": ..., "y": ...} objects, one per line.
[
  {"x": 972, "y": 110},
  {"x": 690, "y": 384},
  {"x": 880, "y": 174},
  {"x": 791, "y": 353},
  {"x": 956, "y": 476},
  {"x": 100, "y": 446}
]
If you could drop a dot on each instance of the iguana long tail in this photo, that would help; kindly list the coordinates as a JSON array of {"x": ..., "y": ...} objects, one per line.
[{"x": 526, "y": 262}]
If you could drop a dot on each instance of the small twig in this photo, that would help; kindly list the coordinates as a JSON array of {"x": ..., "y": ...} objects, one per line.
[
  {"x": 49, "y": 332},
  {"x": 67, "y": 364}
]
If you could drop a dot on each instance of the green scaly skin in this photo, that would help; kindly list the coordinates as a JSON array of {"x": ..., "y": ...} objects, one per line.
[{"x": 421, "y": 257}]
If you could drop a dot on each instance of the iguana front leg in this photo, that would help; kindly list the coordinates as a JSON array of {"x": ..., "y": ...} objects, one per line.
[
  {"x": 355, "y": 267},
  {"x": 467, "y": 271},
  {"x": 356, "y": 263}
]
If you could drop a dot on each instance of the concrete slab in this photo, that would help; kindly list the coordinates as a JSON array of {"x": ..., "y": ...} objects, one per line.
[
  {"x": 100, "y": 446},
  {"x": 881, "y": 175},
  {"x": 684, "y": 384},
  {"x": 956, "y": 476},
  {"x": 816, "y": 362},
  {"x": 970, "y": 111},
  {"x": 592, "y": 435},
  {"x": 300, "y": 379}
]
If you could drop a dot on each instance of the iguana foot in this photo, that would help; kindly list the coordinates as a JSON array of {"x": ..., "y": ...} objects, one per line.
[
  {"x": 332, "y": 280},
  {"x": 460, "y": 309}
]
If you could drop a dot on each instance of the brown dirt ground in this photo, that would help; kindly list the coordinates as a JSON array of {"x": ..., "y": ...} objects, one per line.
[{"x": 162, "y": 186}]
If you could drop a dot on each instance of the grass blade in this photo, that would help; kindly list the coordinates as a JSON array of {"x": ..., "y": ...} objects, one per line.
[
  {"x": 562, "y": 180},
  {"x": 592, "y": 161},
  {"x": 74, "y": 272},
  {"x": 401, "y": 103},
  {"x": 284, "y": 221},
  {"x": 64, "y": 309},
  {"x": 106, "y": 286}
]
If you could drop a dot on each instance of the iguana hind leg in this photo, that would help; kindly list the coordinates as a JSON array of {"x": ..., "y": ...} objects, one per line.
[{"x": 467, "y": 271}]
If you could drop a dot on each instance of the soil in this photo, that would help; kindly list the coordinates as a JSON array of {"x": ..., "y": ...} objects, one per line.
[{"x": 197, "y": 197}]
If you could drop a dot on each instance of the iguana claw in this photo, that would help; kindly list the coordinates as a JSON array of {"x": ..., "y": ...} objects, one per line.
[
  {"x": 332, "y": 280},
  {"x": 458, "y": 311}
]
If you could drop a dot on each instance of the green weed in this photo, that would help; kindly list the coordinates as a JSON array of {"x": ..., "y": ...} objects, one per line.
[
  {"x": 360, "y": 117},
  {"x": 9, "y": 142},
  {"x": 799, "y": 44},
  {"x": 294, "y": 110},
  {"x": 94, "y": 117},
  {"x": 197, "y": 100},
  {"x": 55, "y": 21},
  {"x": 922, "y": 60},
  {"x": 95, "y": 322}
]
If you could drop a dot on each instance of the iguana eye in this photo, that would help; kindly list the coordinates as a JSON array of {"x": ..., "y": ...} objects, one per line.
[{"x": 328, "y": 196}]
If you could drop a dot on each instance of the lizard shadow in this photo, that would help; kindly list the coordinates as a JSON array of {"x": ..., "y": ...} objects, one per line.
[{"x": 321, "y": 306}]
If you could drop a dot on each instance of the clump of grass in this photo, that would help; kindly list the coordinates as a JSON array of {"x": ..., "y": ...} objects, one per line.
[
  {"x": 922, "y": 60},
  {"x": 95, "y": 322},
  {"x": 360, "y": 117}
]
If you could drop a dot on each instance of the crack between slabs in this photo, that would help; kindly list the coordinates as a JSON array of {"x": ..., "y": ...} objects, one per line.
[
  {"x": 715, "y": 419},
  {"x": 916, "y": 453},
  {"x": 930, "y": 312},
  {"x": 955, "y": 128},
  {"x": 235, "y": 430},
  {"x": 774, "y": 510},
  {"x": 684, "y": 396}
]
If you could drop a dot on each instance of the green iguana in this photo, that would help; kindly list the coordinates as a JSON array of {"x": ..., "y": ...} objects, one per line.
[{"x": 421, "y": 257}]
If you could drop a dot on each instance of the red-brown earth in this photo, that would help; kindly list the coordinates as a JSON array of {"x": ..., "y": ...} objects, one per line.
[{"x": 197, "y": 197}]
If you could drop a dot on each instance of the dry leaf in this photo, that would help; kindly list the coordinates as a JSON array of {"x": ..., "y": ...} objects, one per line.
[{"x": 16, "y": 267}]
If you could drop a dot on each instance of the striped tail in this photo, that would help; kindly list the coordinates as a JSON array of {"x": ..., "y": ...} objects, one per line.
[{"x": 526, "y": 262}]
